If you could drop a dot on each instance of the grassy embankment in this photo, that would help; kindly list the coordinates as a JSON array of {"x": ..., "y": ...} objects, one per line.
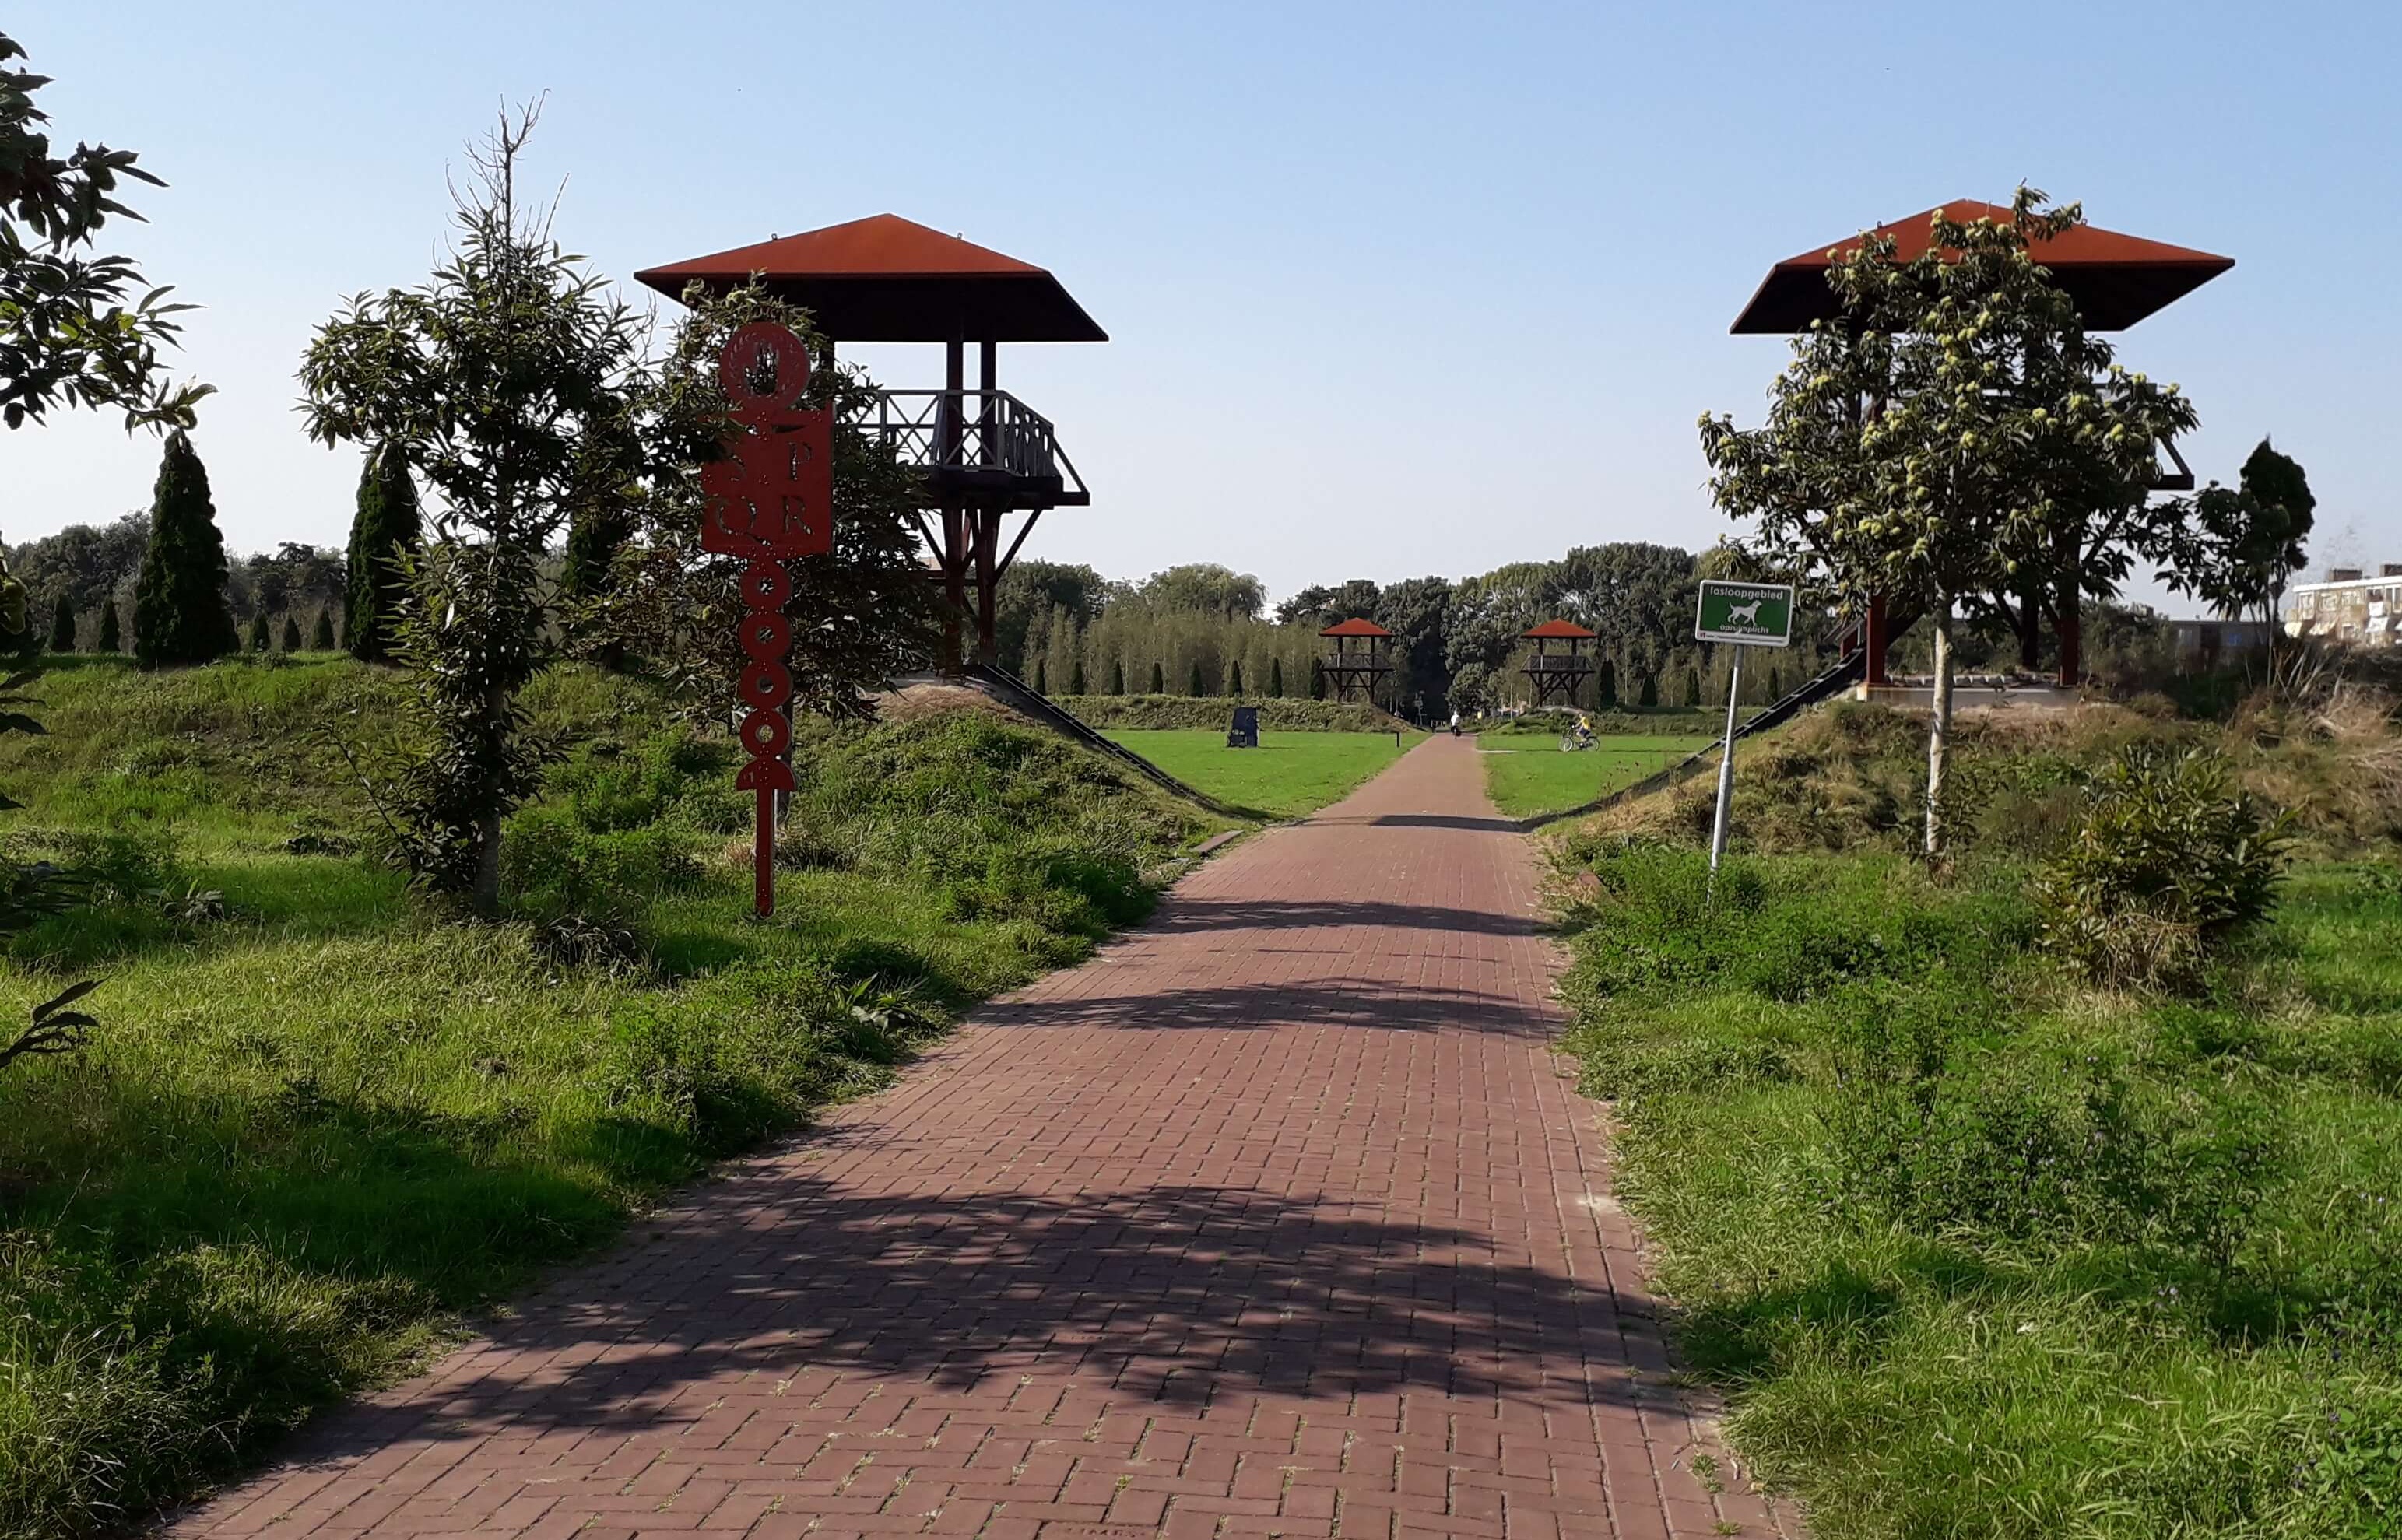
[
  {"x": 320, "y": 1119},
  {"x": 1979, "y": 1248},
  {"x": 1288, "y": 775}
]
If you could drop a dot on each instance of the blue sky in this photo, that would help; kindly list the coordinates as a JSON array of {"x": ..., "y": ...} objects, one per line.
[{"x": 1392, "y": 289}]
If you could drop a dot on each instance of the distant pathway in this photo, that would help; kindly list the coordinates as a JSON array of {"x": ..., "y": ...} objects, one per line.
[{"x": 1278, "y": 1216}]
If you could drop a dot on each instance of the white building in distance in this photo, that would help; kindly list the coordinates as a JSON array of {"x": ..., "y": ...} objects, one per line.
[{"x": 2350, "y": 605}]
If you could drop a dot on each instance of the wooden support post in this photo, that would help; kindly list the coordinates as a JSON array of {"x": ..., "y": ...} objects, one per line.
[
  {"x": 955, "y": 586},
  {"x": 989, "y": 416},
  {"x": 988, "y": 548},
  {"x": 1873, "y": 639}
]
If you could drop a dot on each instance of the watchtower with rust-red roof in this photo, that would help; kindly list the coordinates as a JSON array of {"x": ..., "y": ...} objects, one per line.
[
  {"x": 981, "y": 454},
  {"x": 2115, "y": 279},
  {"x": 1355, "y": 655},
  {"x": 1558, "y": 663}
]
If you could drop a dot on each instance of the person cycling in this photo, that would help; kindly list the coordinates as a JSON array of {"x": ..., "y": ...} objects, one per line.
[{"x": 1583, "y": 731}]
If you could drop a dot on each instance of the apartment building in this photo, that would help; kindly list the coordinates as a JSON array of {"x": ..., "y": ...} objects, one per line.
[{"x": 2350, "y": 605}]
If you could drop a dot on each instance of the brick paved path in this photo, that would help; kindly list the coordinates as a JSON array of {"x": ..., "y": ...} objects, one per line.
[{"x": 1277, "y": 1218}]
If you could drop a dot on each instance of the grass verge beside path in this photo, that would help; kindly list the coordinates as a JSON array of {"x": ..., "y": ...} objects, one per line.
[
  {"x": 320, "y": 1120},
  {"x": 1528, "y": 777},
  {"x": 1977, "y": 1250},
  {"x": 1288, "y": 775}
]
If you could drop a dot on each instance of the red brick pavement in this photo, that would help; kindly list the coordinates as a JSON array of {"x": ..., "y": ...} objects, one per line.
[{"x": 1278, "y": 1216}]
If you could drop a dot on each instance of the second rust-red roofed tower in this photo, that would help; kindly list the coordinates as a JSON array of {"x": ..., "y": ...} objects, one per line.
[
  {"x": 984, "y": 455},
  {"x": 1558, "y": 663},
  {"x": 1355, "y": 655}
]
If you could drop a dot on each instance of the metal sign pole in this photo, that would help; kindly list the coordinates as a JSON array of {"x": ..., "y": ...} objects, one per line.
[{"x": 1726, "y": 768}]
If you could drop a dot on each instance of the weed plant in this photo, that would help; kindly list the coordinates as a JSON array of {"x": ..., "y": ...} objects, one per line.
[
  {"x": 322, "y": 1121},
  {"x": 1980, "y": 1250}
]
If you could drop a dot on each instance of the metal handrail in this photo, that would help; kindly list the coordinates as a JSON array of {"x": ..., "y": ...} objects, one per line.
[{"x": 965, "y": 430}]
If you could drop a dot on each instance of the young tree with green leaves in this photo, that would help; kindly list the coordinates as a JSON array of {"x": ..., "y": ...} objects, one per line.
[
  {"x": 62, "y": 624},
  {"x": 76, "y": 330},
  {"x": 387, "y": 533},
  {"x": 2237, "y": 547},
  {"x": 508, "y": 381},
  {"x": 180, "y": 614},
  {"x": 1945, "y": 438},
  {"x": 862, "y": 614}
]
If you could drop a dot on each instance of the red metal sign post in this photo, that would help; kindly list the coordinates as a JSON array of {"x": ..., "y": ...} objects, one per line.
[{"x": 770, "y": 500}]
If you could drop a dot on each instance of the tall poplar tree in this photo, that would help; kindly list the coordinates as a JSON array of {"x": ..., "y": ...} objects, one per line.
[
  {"x": 387, "y": 531},
  {"x": 180, "y": 614}
]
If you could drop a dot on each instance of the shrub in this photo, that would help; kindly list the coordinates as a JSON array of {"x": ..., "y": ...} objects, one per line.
[{"x": 2167, "y": 864}]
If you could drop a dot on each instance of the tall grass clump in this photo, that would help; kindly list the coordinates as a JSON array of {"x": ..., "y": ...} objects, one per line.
[{"x": 1978, "y": 1249}]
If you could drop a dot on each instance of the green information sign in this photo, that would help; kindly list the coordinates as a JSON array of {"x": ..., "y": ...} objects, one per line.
[{"x": 1749, "y": 614}]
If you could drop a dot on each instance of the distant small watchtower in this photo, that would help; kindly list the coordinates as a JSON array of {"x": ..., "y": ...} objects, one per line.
[
  {"x": 981, "y": 454},
  {"x": 1355, "y": 655},
  {"x": 1558, "y": 664}
]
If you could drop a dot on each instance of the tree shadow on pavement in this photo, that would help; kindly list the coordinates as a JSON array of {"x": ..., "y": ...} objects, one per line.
[
  {"x": 1175, "y": 1293},
  {"x": 1342, "y": 1001}
]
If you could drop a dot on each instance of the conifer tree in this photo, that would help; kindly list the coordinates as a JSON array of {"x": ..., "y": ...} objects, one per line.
[
  {"x": 62, "y": 625},
  {"x": 1158, "y": 679},
  {"x": 320, "y": 640},
  {"x": 180, "y": 614},
  {"x": 386, "y": 524},
  {"x": 1197, "y": 685},
  {"x": 1076, "y": 681},
  {"x": 1605, "y": 690},
  {"x": 1692, "y": 687},
  {"x": 291, "y": 632},
  {"x": 1041, "y": 676},
  {"x": 112, "y": 638},
  {"x": 1275, "y": 679},
  {"x": 1650, "y": 693},
  {"x": 1234, "y": 679},
  {"x": 258, "y": 632},
  {"x": 1317, "y": 679},
  {"x": 1117, "y": 677}
]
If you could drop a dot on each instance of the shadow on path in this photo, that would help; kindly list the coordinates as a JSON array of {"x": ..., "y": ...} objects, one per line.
[
  {"x": 1361, "y": 1002},
  {"x": 1172, "y": 1294},
  {"x": 1181, "y": 914}
]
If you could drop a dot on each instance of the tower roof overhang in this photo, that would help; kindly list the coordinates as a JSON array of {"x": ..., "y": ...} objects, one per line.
[
  {"x": 2116, "y": 280},
  {"x": 886, "y": 278}
]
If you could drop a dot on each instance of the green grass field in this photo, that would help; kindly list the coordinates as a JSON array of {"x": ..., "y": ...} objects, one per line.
[
  {"x": 321, "y": 1119},
  {"x": 1976, "y": 1249},
  {"x": 1526, "y": 777},
  {"x": 1288, "y": 775}
]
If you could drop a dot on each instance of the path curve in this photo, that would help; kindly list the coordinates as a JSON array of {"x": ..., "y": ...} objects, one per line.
[{"x": 1277, "y": 1217}]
